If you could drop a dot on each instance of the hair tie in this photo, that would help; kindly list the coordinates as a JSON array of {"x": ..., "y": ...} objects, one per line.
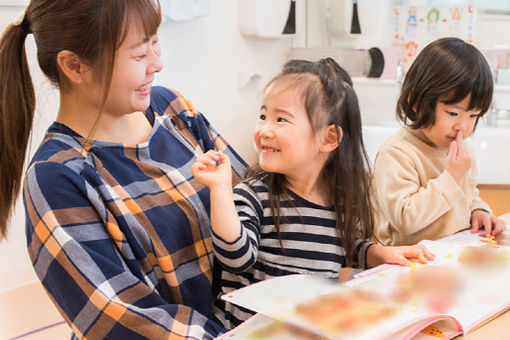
[{"x": 22, "y": 22}]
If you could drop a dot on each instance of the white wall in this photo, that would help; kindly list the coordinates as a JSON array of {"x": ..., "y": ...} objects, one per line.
[{"x": 203, "y": 59}]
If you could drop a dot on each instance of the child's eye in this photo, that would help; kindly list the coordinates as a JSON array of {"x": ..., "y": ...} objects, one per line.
[
  {"x": 475, "y": 115},
  {"x": 451, "y": 113},
  {"x": 262, "y": 117},
  {"x": 281, "y": 120},
  {"x": 140, "y": 57}
]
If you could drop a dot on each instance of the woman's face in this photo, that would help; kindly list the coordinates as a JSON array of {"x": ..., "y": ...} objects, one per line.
[{"x": 136, "y": 63}]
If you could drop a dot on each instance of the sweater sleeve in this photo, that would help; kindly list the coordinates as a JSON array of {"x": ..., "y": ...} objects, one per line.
[
  {"x": 407, "y": 204},
  {"x": 86, "y": 266},
  {"x": 239, "y": 255},
  {"x": 360, "y": 253}
]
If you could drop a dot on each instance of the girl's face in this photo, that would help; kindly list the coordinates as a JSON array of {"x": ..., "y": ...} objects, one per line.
[
  {"x": 137, "y": 61},
  {"x": 284, "y": 137},
  {"x": 450, "y": 120}
]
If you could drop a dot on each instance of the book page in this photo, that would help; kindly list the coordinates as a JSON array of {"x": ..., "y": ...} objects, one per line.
[
  {"x": 261, "y": 327},
  {"x": 464, "y": 286},
  {"x": 327, "y": 308},
  {"x": 475, "y": 267}
]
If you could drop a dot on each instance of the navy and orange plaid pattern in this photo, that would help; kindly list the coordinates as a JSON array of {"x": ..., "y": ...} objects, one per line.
[{"x": 120, "y": 235}]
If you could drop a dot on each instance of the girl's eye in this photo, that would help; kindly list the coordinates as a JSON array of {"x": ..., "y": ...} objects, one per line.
[
  {"x": 281, "y": 120},
  {"x": 262, "y": 117},
  {"x": 475, "y": 115},
  {"x": 140, "y": 57},
  {"x": 453, "y": 114}
]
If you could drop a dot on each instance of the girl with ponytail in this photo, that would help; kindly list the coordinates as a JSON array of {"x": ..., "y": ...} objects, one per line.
[
  {"x": 306, "y": 209},
  {"x": 117, "y": 228}
]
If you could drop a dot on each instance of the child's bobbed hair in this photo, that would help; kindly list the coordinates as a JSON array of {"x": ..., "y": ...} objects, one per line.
[
  {"x": 329, "y": 99},
  {"x": 448, "y": 69}
]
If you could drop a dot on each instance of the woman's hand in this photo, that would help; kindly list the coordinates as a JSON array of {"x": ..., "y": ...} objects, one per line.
[
  {"x": 491, "y": 224},
  {"x": 213, "y": 169},
  {"x": 379, "y": 254}
]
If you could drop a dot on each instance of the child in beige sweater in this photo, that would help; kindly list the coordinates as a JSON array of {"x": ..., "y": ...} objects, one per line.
[{"x": 425, "y": 175}]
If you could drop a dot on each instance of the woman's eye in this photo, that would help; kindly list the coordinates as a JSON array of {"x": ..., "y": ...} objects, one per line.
[
  {"x": 140, "y": 57},
  {"x": 262, "y": 117},
  {"x": 281, "y": 120}
]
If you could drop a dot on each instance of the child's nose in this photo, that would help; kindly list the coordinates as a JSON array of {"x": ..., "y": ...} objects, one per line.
[
  {"x": 462, "y": 125},
  {"x": 266, "y": 131}
]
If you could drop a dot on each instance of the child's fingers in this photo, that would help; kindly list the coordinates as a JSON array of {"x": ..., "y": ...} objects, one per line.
[
  {"x": 205, "y": 162},
  {"x": 460, "y": 146},
  {"x": 499, "y": 225},
  {"x": 196, "y": 167},
  {"x": 212, "y": 155},
  {"x": 452, "y": 151},
  {"x": 426, "y": 253},
  {"x": 420, "y": 253},
  {"x": 475, "y": 225},
  {"x": 485, "y": 222},
  {"x": 223, "y": 158}
]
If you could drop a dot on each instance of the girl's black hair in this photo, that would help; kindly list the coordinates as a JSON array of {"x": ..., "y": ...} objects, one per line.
[
  {"x": 448, "y": 69},
  {"x": 329, "y": 99}
]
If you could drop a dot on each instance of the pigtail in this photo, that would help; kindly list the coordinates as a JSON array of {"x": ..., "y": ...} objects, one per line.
[
  {"x": 348, "y": 171},
  {"x": 17, "y": 106}
]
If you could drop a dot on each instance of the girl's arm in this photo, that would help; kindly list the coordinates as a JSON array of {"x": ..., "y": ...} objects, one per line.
[
  {"x": 214, "y": 171},
  {"x": 235, "y": 239}
]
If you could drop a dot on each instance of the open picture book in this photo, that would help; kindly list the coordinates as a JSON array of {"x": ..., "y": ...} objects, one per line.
[{"x": 465, "y": 286}]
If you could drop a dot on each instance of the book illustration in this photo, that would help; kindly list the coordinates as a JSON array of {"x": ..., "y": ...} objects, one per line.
[
  {"x": 360, "y": 310},
  {"x": 434, "y": 331}
]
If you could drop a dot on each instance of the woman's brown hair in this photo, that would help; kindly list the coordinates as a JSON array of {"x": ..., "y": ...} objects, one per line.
[
  {"x": 91, "y": 29},
  {"x": 329, "y": 99}
]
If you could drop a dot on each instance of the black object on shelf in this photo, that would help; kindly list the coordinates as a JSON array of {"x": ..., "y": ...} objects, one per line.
[
  {"x": 290, "y": 25},
  {"x": 377, "y": 65},
  {"x": 355, "y": 26}
]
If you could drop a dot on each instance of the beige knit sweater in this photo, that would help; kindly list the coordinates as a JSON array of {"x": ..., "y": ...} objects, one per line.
[{"x": 416, "y": 198}]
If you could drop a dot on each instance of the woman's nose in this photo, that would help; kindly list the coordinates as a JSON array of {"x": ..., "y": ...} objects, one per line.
[{"x": 156, "y": 63}]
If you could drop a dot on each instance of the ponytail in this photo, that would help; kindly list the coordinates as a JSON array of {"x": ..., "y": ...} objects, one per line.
[{"x": 17, "y": 105}]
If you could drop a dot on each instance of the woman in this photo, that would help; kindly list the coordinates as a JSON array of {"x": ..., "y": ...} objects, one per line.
[{"x": 117, "y": 227}]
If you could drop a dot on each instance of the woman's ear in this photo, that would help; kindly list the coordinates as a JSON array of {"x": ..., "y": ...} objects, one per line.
[
  {"x": 73, "y": 67},
  {"x": 332, "y": 136}
]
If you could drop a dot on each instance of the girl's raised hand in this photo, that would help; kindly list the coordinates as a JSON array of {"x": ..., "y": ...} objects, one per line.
[
  {"x": 213, "y": 169},
  {"x": 458, "y": 161},
  {"x": 379, "y": 254}
]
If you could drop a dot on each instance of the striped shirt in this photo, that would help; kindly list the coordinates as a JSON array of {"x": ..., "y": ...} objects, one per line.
[
  {"x": 120, "y": 235},
  {"x": 310, "y": 241}
]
